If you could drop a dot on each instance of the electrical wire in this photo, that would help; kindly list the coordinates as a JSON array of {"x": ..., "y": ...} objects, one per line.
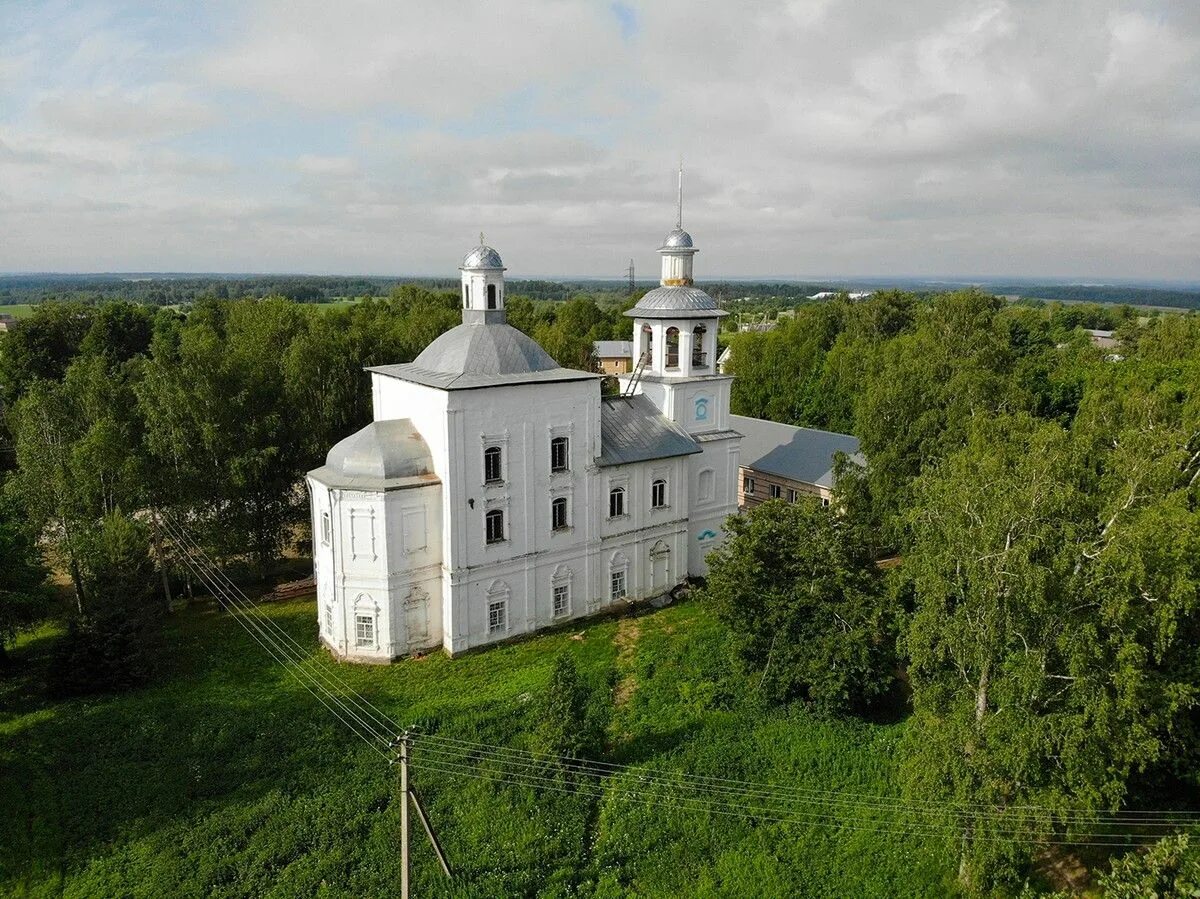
[
  {"x": 295, "y": 666},
  {"x": 1162, "y": 819},
  {"x": 535, "y": 770},
  {"x": 382, "y": 725},
  {"x": 454, "y": 757}
]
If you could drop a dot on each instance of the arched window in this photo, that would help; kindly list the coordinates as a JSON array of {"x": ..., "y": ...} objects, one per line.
[
  {"x": 672, "y": 348},
  {"x": 558, "y": 513},
  {"x": 491, "y": 294},
  {"x": 559, "y": 458},
  {"x": 497, "y": 607},
  {"x": 647, "y": 343},
  {"x": 699, "y": 356},
  {"x": 494, "y": 522},
  {"x": 618, "y": 576},
  {"x": 616, "y": 502},
  {"x": 491, "y": 465},
  {"x": 706, "y": 485},
  {"x": 658, "y": 493}
]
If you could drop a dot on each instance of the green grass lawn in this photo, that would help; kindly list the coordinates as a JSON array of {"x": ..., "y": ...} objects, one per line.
[
  {"x": 230, "y": 779},
  {"x": 18, "y": 310}
]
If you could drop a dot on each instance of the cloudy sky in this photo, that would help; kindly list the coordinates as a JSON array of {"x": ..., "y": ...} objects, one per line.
[{"x": 820, "y": 138}]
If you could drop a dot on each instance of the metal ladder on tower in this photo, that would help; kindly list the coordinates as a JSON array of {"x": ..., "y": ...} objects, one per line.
[{"x": 642, "y": 362}]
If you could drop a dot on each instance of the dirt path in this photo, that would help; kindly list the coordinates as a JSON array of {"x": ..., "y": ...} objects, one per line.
[{"x": 626, "y": 640}]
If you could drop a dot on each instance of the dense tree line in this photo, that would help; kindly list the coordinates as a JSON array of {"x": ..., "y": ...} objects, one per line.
[
  {"x": 114, "y": 409},
  {"x": 1043, "y": 496}
]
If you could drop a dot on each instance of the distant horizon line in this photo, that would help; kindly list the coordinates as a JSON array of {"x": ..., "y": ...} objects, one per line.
[{"x": 1058, "y": 280}]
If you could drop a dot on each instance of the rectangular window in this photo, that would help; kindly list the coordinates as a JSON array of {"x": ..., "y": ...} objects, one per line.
[
  {"x": 364, "y": 630},
  {"x": 618, "y": 584},
  {"x": 558, "y": 513},
  {"x": 616, "y": 502},
  {"x": 497, "y": 616},
  {"x": 329, "y": 620},
  {"x": 776, "y": 491},
  {"x": 824, "y": 500},
  {"x": 559, "y": 454},
  {"x": 748, "y": 486},
  {"x": 793, "y": 496},
  {"x": 325, "y": 528},
  {"x": 562, "y": 599}
]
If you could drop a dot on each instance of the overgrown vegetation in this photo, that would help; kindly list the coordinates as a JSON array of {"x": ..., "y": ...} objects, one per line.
[
  {"x": 227, "y": 779},
  {"x": 1040, "y": 493}
]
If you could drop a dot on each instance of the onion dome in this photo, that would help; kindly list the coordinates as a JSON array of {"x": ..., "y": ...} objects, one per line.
[{"x": 677, "y": 239}]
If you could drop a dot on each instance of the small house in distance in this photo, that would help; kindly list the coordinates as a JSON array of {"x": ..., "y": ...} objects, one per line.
[
  {"x": 6, "y": 321},
  {"x": 614, "y": 357},
  {"x": 783, "y": 461}
]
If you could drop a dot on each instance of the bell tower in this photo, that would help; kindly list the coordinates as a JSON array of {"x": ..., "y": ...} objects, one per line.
[
  {"x": 675, "y": 347},
  {"x": 482, "y": 286}
]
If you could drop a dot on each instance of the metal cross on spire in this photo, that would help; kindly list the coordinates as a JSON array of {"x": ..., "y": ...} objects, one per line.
[
  {"x": 679, "y": 213},
  {"x": 482, "y": 242}
]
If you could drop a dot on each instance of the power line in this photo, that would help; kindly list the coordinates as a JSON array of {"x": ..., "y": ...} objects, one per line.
[
  {"x": 840, "y": 806},
  {"x": 777, "y": 801},
  {"x": 759, "y": 787}
]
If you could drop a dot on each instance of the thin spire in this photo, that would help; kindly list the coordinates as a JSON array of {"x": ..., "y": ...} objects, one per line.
[{"x": 679, "y": 213}]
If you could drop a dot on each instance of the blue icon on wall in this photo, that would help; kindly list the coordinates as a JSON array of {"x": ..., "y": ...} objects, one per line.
[
  {"x": 707, "y": 535},
  {"x": 701, "y": 408}
]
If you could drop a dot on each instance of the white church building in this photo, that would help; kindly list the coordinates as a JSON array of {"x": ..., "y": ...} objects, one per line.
[{"x": 497, "y": 493}]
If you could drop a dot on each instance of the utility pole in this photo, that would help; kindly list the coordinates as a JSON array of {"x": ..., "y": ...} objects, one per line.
[
  {"x": 632, "y": 282},
  {"x": 408, "y": 794},
  {"x": 404, "y": 815}
]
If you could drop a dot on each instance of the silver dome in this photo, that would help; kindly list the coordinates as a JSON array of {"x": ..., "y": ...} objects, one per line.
[
  {"x": 482, "y": 257},
  {"x": 484, "y": 349},
  {"x": 677, "y": 238},
  {"x": 382, "y": 451},
  {"x": 676, "y": 302}
]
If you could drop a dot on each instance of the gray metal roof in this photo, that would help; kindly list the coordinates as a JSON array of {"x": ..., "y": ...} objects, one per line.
[
  {"x": 610, "y": 348},
  {"x": 481, "y": 354},
  {"x": 384, "y": 455},
  {"x": 633, "y": 430},
  {"x": 676, "y": 239},
  {"x": 676, "y": 302},
  {"x": 800, "y": 454},
  {"x": 482, "y": 257}
]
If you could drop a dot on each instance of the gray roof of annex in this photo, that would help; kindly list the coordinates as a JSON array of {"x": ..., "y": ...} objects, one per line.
[{"x": 799, "y": 454}]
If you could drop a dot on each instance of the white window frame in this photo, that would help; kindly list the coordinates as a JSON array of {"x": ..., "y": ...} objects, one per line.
[
  {"x": 658, "y": 486},
  {"x": 364, "y": 620},
  {"x": 489, "y": 516},
  {"x": 566, "y": 513},
  {"x": 618, "y": 576},
  {"x": 615, "y": 491},
  {"x": 793, "y": 494},
  {"x": 326, "y": 528},
  {"x": 497, "y": 609},
  {"x": 776, "y": 491},
  {"x": 560, "y": 591},
  {"x": 564, "y": 442},
  {"x": 499, "y": 479},
  {"x": 748, "y": 486}
]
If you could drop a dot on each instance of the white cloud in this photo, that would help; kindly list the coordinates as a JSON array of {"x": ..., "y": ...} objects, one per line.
[{"x": 821, "y": 136}]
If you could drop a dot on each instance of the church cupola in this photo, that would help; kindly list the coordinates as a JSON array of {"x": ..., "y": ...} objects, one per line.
[
  {"x": 677, "y": 249},
  {"x": 482, "y": 286}
]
